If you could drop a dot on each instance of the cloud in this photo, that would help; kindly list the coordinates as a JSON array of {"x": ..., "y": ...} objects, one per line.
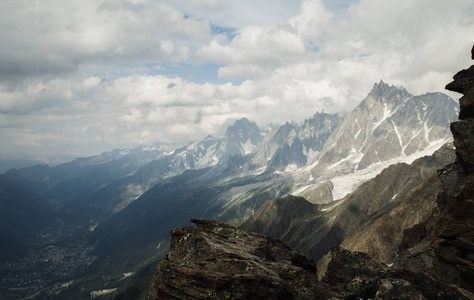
[
  {"x": 414, "y": 44},
  {"x": 59, "y": 37},
  {"x": 253, "y": 51},
  {"x": 171, "y": 85},
  {"x": 411, "y": 39},
  {"x": 313, "y": 20},
  {"x": 242, "y": 71},
  {"x": 238, "y": 14},
  {"x": 87, "y": 76}
]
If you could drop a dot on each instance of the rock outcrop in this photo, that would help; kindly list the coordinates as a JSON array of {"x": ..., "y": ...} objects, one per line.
[
  {"x": 436, "y": 257},
  {"x": 354, "y": 275},
  {"x": 444, "y": 247},
  {"x": 217, "y": 261}
]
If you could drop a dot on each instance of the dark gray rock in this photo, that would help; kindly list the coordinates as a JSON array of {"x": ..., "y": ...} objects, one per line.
[{"x": 217, "y": 261}]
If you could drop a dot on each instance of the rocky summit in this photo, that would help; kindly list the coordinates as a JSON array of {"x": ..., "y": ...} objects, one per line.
[{"x": 217, "y": 261}]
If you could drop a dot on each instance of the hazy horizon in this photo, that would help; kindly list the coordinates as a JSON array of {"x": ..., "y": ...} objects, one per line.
[{"x": 82, "y": 78}]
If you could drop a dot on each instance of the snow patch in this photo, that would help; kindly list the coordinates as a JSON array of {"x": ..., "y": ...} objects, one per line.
[
  {"x": 399, "y": 137},
  {"x": 311, "y": 166},
  {"x": 92, "y": 227},
  {"x": 300, "y": 190},
  {"x": 208, "y": 159},
  {"x": 354, "y": 157},
  {"x": 331, "y": 207},
  {"x": 311, "y": 155},
  {"x": 386, "y": 114},
  {"x": 248, "y": 147},
  {"x": 357, "y": 134},
  {"x": 291, "y": 168},
  {"x": 98, "y": 293},
  {"x": 346, "y": 184},
  {"x": 159, "y": 245},
  {"x": 126, "y": 275},
  {"x": 427, "y": 131}
]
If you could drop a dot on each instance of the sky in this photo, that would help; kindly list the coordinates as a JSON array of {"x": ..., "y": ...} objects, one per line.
[{"x": 83, "y": 77}]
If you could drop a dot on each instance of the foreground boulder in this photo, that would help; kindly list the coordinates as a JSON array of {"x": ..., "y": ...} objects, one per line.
[
  {"x": 217, "y": 261},
  {"x": 354, "y": 275}
]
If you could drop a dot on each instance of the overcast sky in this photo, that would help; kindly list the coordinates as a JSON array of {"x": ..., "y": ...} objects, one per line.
[{"x": 82, "y": 77}]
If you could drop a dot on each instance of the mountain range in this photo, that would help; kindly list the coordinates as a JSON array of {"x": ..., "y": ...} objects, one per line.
[
  {"x": 408, "y": 233},
  {"x": 120, "y": 205}
]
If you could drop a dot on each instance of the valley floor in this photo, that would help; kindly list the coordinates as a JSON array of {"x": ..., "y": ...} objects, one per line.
[{"x": 56, "y": 255}]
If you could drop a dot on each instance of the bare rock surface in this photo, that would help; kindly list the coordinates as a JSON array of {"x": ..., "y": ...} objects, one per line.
[{"x": 217, "y": 261}]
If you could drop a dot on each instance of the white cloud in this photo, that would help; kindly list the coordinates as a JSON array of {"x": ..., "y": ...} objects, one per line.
[
  {"x": 242, "y": 71},
  {"x": 75, "y": 76},
  {"x": 52, "y": 37},
  {"x": 313, "y": 20},
  {"x": 254, "y": 51},
  {"x": 238, "y": 14},
  {"x": 254, "y": 45},
  {"x": 92, "y": 81}
]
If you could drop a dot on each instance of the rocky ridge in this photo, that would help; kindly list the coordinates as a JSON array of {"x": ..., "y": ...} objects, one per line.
[
  {"x": 217, "y": 261},
  {"x": 380, "y": 209},
  {"x": 388, "y": 123}
]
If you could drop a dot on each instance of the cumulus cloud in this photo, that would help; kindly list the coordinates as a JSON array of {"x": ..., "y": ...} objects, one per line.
[
  {"x": 58, "y": 37},
  {"x": 237, "y": 14},
  {"x": 86, "y": 76}
]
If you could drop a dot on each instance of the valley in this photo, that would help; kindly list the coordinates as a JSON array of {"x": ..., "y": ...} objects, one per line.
[
  {"x": 113, "y": 212},
  {"x": 54, "y": 258}
]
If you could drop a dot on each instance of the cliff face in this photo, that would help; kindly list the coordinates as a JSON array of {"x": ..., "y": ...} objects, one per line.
[
  {"x": 435, "y": 259},
  {"x": 444, "y": 246}
]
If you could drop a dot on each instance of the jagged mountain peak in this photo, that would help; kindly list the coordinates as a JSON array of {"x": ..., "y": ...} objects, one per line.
[
  {"x": 382, "y": 87},
  {"x": 241, "y": 139},
  {"x": 319, "y": 114},
  {"x": 283, "y": 133},
  {"x": 244, "y": 129},
  {"x": 243, "y": 122},
  {"x": 210, "y": 138},
  {"x": 383, "y": 93},
  {"x": 388, "y": 123},
  {"x": 321, "y": 120}
]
